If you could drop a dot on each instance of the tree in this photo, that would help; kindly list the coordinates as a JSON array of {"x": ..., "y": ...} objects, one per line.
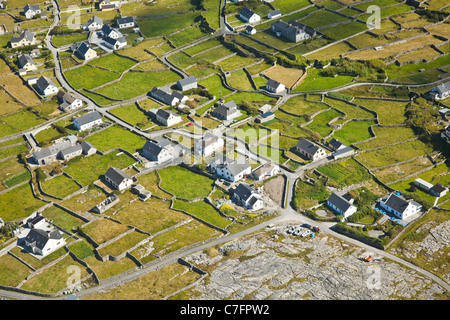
[{"x": 40, "y": 175}]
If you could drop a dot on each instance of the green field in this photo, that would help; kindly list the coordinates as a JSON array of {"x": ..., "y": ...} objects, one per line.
[
  {"x": 345, "y": 173},
  {"x": 113, "y": 62},
  {"x": 354, "y": 131},
  {"x": 204, "y": 211},
  {"x": 184, "y": 183},
  {"x": 61, "y": 186},
  {"x": 89, "y": 77},
  {"x": 116, "y": 137}
]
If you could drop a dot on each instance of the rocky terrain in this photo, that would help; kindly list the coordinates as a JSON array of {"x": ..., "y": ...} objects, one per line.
[{"x": 275, "y": 265}]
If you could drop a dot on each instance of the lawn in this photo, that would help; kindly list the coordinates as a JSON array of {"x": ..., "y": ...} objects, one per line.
[
  {"x": 151, "y": 216},
  {"x": 203, "y": 211},
  {"x": 214, "y": 86},
  {"x": 315, "y": 81},
  {"x": 116, "y": 137},
  {"x": 62, "y": 40},
  {"x": 344, "y": 30},
  {"x": 387, "y": 135},
  {"x": 184, "y": 183},
  {"x": 62, "y": 219},
  {"x": 299, "y": 105},
  {"x": 54, "y": 278},
  {"x": 319, "y": 123},
  {"x": 82, "y": 249},
  {"x": 132, "y": 115},
  {"x": 239, "y": 80},
  {"x": 12, "y": 271},
  {"x": 322, "y": 18},
  {"x": 12, "y": 172},
  {"x": 345, "y": 173},
  {"x": 89, "y": 77},
  {"x": 389, "y": 112},
  {"x": 113, "y": 62},
  {"x": 307, "y": 196},
  {"x": 393, "y": 154},
  {"x": 350, "y": 110},
  {"x": 89, "y": 169},
  {"x": 236, "y": 62},
  {"x": 202, "y": 46},
  {"x": 134, "y": 84},
  {"x": 60, "y": 186},
  {"x": 354, "y": 131},
  {"x": 175, "y": 239},
  {"x": 103, "y": 230},
  {"x": 18, "y": 122},
  {"x": 186, "y": 36},
  {"x": 166, "y": 25},
  {"x": 18, "y": 203},
  {"x": 85, "y": 201},
  {"x": 150, "y": 182},
  {"x": 123, "y": 244}
]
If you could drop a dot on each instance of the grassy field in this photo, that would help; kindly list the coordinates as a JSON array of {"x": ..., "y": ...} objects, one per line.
[
  {"x": 320, "y": 121},
  {"x": 394, "y": 173},
  {"x": 151, "y": 216},
  {"x": 62, "y": 219},
  {"x": 150, "y": 182},
  {"x": 116, "y": 137},
  {"x": 389, "y": 112},
  {"x": 107, "y": 269},
  {"x": 214, "y": 86},
  {"x": 17, "y": 122},
  {"x": 184, "y": 183},
  {"x": 123, "y": 244},
  {"x": 113, "y": 62},
  {"x": 103, "y": 230},
  {"x": 345, "y": 173},
  {"x": 12, "y": 271},
  {"x": 18, "y": 203},
  {"x": 350, "y": 110},
  {"x": 315, "y": 81},
  {"x": 62, "y": 40},
  {"x": 134, "y": 84},
  {"x": 239, "y": 80},
  {"x": 343, "y": 31},
  {"x": 89, "y": 77},
  {"x": 54, "y": 278},
  {"x": 387, "y": 135},
  {"x": 354, "y": 131},
  {"x": 307, "y": 196},
  {"x": 394, "y": 154},
  {"x": 89, "y": 169},
  {"x": 133, "y": 115},
  {"x": 61, "y": 186},
  {"x": 203, "y": 211},
  {"x": 82, "y": 249},
  {"x": 12, "y": 172},
  {"x": 166, "y": 25},
  {"x": 85, "y": 201}
]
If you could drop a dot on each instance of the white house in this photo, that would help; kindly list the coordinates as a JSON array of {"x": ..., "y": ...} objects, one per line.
[
  {"x": 167, "y": 118},
  {"x": 310, "y": 150},
  {"x": 400, "y": 207},
  {"x": 26, "y": 62},
  {"x": 442, "y": 91},
  {"x": 115, "y": 43},
  {"x": 26, "y": 38},
  {"x": 42, "y": 242},
  {"x": 250, "y": 30},
  {"x": 445, "y": 134},
  {"x": 341, "y": 206},
  {"x": 159, "y": 152},
  {"x": 112, "y": 33},
  {"x": 71, "y": 152},
  {"x": 247, "y": 197},
  {"x": 208, "y": 144},
  {"x": 46, "y": 86},
  {"x": 274, "y": 86},
  {"x": 274, "y": 14},
  {"x": 94, "y": 23},
  {"x": 31, "y": 10},
  {"x": 235, "y": 170},
  {"x": 83, "y": 50},
  {"x": 125, "y": 22},
  {"x": 438, "y": 190},
  {"x": 118, "y": 179},
  {"x": 249, "y": 16},
  {"x": 187, "y": 83},
  {"x": 87, "y": 121},
  {"x": 267, "y": 170},
  {"x": 68, "y": 102},
  {"x": 226, "y": 111}
]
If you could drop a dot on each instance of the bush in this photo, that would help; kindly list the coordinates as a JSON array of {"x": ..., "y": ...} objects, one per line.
[{"x": 40, "y": 175}]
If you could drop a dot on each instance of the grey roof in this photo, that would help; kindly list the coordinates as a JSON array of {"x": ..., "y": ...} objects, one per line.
[
  {"x": 24, "y": 59},
  {"x": 444, "y": 87},
  {"x": 162, "y": 95},
  {"x": 83, "y": 48},
  {"x": 249, "y": 28},
  {"x": 336, "y": 144},
  {"x": 244, "y": 191},
  {"x": 165, "y": 114},
  {"x": 45, "y": 82},
  {"x": 114, "y": 41},
  {"x": 438, "y": 188},
  {"x": 292, "y": 28},
  {"x": 125, "y": 20},
  {"x": 207, "y": 139},
  {"x": 187, "y": 81},
  {"x": 344, "y": 150},
  {"x": 339, "y": 202},
  {"x": 238, "y": 166},
  {"x": 307, "y": 146},
  {"x": 52, "y": 150},
  {"x": 247, "y": 13},
  {"x": 272, "y": 83},
  {"x": 397, "y": 203},
  {"x": 72, "y": 149},
  {"x": 226, "y": 109},
  {"x": 33, "y": 7},
  {"x": 276, "y": 12},
  {"x": 89, "y": 117},
  {"x": 38, "y": 238},
  {"x": 95, "y": 19},
  {"x": 178, "y": 95},
  {"x": 87, "y": 146},
  {"x": 219, "y": 159},
  {"x": 27, "y": 35},
  {"x": 116, "y": 175},
  {"x": 152, "y": 148}
]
